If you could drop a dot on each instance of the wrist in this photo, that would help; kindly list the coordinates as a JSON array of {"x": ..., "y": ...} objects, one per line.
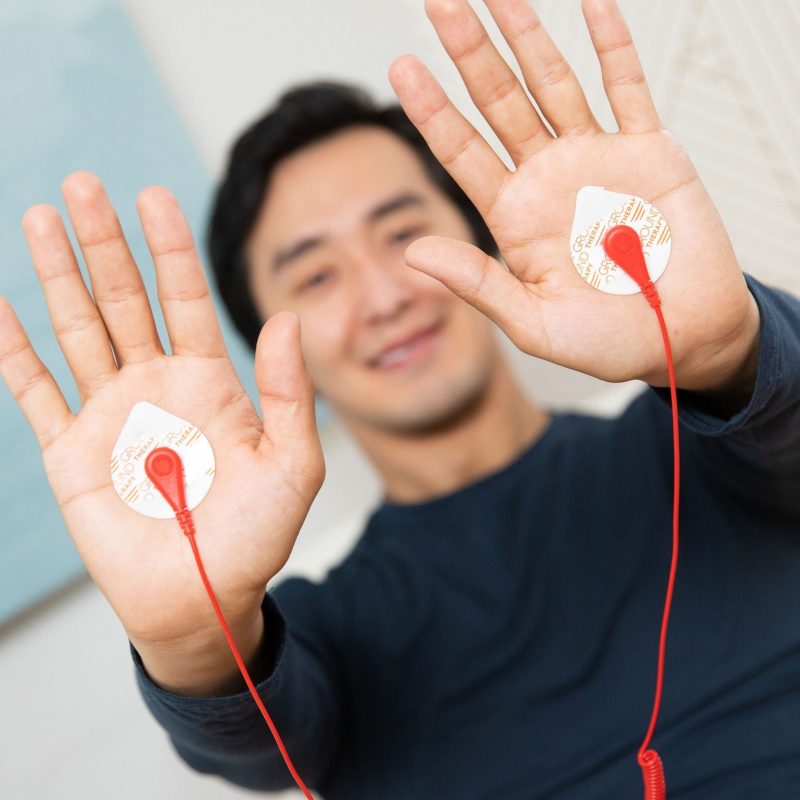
[
  {"x": 738, "y": 366},
  {"x": 727, "y": 369},
  {"x": 203, "y": 665},
  {"x": 726, "y": 381}
]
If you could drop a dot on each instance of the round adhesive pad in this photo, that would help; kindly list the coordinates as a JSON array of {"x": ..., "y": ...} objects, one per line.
[{"x": 146, "y": 428}]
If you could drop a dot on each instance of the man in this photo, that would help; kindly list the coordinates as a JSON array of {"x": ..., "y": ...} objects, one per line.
[{"x": 493, "y": 634}]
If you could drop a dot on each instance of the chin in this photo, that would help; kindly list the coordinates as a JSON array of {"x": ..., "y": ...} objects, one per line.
[{"x": 435, "y": 409}]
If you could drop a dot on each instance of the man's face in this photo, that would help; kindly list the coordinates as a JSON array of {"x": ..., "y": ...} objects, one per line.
[{"x": 385, "y": 345}]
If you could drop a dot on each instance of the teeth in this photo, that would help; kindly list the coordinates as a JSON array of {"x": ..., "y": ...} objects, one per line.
[
  {"x": 402, "y": 352},
  {"x": 395, "y": 355}
]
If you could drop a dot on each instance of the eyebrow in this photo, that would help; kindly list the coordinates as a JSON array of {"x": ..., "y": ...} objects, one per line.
[{"x": 291, "y": 253}]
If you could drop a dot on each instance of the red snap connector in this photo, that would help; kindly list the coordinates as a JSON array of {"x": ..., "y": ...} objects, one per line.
[
  {"x": 164, "y": 468},
  {"x": 623, "y": 247}
]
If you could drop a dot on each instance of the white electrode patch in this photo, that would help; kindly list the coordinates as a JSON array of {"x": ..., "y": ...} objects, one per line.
[
  {"x": 597, "y": 210},
  {"x": 146, "y": 428}
]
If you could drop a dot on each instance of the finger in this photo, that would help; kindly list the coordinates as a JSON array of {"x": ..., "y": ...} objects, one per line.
[
  {"x": 77, "y": 323},
  {"x": 623, "y": 77},
  {"x": 485, "y": 284},
  {"x": 285, "y": 391},
  {"x": 183, "y": 292},
  {"x": 29, "y": 381},
  {"x": 548, "y": 76},
  {"x": 490, "y": 82},
  {"x": 117, "y": 285},
  {"x": 459, "y": 148}
]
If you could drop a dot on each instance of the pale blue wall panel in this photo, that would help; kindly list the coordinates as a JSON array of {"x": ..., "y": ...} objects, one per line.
[{"x": 76, "y": 92}]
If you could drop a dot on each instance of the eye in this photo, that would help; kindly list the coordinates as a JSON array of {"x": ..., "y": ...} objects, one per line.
[
  {"x": 406, "y": 234},
  {"x": 317, "y": 279}
]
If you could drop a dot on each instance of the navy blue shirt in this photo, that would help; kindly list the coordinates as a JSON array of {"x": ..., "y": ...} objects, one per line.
[{"x": 501, "y": 641}]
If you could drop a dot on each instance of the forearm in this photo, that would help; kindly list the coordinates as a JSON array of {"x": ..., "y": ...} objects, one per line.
[{"x": 226, "y": 735}]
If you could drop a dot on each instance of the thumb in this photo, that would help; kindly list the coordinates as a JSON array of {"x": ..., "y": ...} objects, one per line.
[
  {"x": 285, "y": 391},
  {"x": 480, "y": 280}
]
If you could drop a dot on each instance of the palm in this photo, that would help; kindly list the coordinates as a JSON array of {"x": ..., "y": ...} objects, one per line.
[
  {"x": 585, "y": 329},
  {"x": 115, "y": 541},
  {"x": 266, "y": 473},
  {"x": 541, "y": 301}
]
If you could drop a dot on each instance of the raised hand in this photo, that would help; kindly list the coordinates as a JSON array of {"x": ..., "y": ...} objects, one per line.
[
  {"x": 540, "y": 301},
  {"x": 267, "y": 473}
]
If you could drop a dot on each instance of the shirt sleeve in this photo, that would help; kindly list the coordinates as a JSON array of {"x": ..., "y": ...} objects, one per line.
[
  {"x": 227, "y": 736},
  {"x": 755, "y": 452}
]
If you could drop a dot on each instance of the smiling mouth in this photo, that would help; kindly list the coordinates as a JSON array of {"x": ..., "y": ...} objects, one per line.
[{"x": 410, "y": 352}]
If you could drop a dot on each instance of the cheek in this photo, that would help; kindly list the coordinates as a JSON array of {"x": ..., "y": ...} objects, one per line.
[
  {"x": 427, "y": 287},
  {"x": 437, "y": 294},
  {"x": 326, "y": 336}
]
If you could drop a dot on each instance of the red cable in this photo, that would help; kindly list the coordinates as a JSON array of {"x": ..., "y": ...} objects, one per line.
[
  {"x": 165, "y": 469},
  {"x": 623, "y": 246}
]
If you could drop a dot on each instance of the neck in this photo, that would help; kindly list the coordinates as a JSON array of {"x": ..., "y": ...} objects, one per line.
[{"x": 415, "y": 467}]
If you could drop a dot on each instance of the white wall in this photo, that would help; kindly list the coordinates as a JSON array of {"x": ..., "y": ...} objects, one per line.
[{"x": 726, "y": 79}]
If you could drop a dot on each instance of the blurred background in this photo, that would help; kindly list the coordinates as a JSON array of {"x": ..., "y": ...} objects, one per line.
[{"x": 146, "y": 91}]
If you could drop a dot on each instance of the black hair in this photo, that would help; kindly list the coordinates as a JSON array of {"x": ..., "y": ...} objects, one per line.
[{"x": 301, "y": 116}]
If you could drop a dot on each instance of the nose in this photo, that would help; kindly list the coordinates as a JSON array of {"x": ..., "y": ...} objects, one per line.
[{"x": 386, "y": 290}]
